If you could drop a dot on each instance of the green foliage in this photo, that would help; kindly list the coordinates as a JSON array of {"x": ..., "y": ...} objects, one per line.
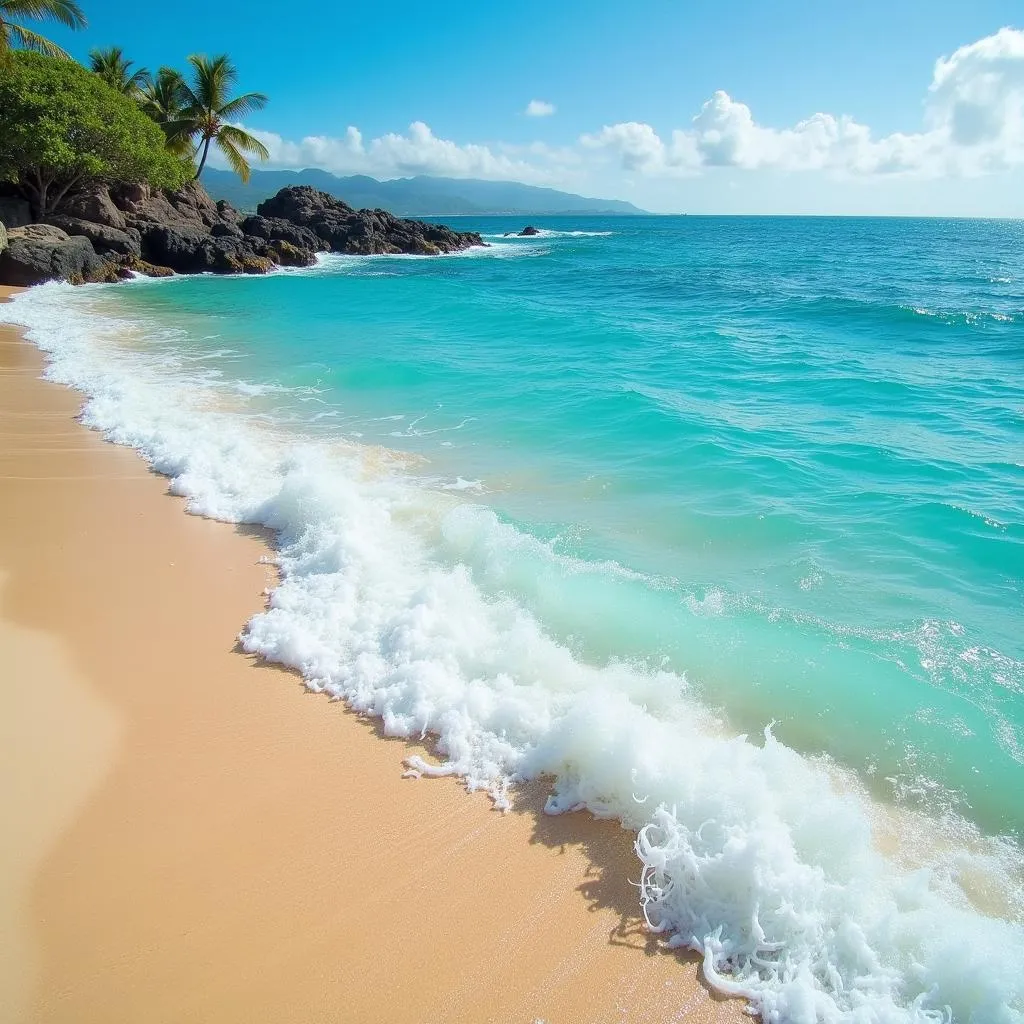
[
  {"x": 15, "y": 36},
  {"x": 63, "y": 127},
  {"x": 209, "y": 110},
  {"x": 163, "y": 99},
  {"x": 110, "y": 64}
]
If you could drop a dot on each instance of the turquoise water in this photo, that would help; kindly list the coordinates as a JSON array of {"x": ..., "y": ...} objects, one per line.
[
  {"x": 716, "y": 524},
  {"x": 805, "y": 436}
]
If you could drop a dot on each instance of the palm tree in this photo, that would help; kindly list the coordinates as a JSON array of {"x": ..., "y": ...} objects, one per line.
[
  {"x": 163, "y": 99},
  {"x": 110, "y": 64},
  {"x": 13, "y": 35},
  {"x": 210, "y": 111}
]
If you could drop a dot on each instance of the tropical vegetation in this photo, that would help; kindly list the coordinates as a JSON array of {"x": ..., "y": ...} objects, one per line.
[
  {"x": 64, "y": 128},
  {"x": 112, "y": 66},
  {"x": 15, "y": 36},
  {"x": 209, "y": 110},
  {"x": 63, "y": 125}
]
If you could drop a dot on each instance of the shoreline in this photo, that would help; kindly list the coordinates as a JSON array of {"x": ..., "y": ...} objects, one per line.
[{"x": 198, "y": 838}]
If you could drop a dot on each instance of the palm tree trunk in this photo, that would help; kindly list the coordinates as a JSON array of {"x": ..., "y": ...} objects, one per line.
[{"x": 206, "y": 153}]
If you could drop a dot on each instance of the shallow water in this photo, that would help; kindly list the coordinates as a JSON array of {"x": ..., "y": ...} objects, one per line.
[{"x": 593, "y": 503}]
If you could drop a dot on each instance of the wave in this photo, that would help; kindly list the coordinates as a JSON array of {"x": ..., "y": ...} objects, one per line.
[
  {"x": 967, "y": 318},
  {"x": 826, "y": 307},
  {"x": 762, "y": 860}
]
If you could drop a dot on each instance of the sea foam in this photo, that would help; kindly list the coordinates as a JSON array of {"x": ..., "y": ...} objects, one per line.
[{"x": 763, "y": 861}]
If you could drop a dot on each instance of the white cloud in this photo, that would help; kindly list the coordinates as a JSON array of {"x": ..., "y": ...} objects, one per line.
[
  {"x": 418, "y": 151},
  {"x": 641, "y": 149},
  {"x": 539, "y": 108},
  {"x": 974, "y": 123}
]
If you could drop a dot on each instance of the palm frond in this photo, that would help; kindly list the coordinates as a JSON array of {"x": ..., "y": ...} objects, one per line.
[
  {"x": 116, "y": 70},
  {"x": 111, "y": 57},
  {"x": 26, "y": 39},
  {"x": 139, "y": 80},
  {"x": 65, "y": 12},
  {"x": 241, "y": 139},
  {"x": 235, "y": 160},
  {"x": 179, "y": 133},
  {"x": 163, "y": 97},
  {"x": 242, "y": 105},
  {"x": 213, "y": 78},
  {"x": 169, "y": 78}
]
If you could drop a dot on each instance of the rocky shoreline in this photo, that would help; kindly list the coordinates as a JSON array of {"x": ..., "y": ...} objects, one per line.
[{"x": 110, "y": 233}]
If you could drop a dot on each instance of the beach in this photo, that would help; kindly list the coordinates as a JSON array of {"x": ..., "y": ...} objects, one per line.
[{"x": 193, "y": 836}]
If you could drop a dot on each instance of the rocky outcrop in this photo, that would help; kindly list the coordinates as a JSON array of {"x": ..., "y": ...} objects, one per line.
[
  {"x": 41, "y": 252},
  {"x": 529, "y": 231},
  {"x": 95, "y": 206},
  {"x": 106, "y": 233},
  {"x": 105, "y": 238},
  {"x": 287, "y": 255},
  {"x": 146, "y": 269},
  {"x": 3, "y": 236},
  {"x": 188, "y": 207},
  {"x": 277, "y": 229},
  {"x": 362, "y": 232},
  {"x": 191, "y": 251},
  {"x": 40, "y": 233}
]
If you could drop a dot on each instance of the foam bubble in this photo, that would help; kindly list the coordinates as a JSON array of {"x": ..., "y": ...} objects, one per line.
[{"x": 768, "y": 863}]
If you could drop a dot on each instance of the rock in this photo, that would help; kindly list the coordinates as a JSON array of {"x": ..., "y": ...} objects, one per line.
[
  {"x": 3, "y": 236},
  {"x": 191, "y": 251},
  {"x": 40, "y": 233},
  {"x": 221, "y": 230},
  {"x": 253, "y": 264},
  {"x": 33, "y": 258},
  {"x": 175, "y": 247},
  {"x": 529, "y": 231},
  {"x": 147, "y": 269},
  {"x": 106, "y": 233},
  {"x": 279, "y": 230},
  {"x": 362, "y": 232},
  {"x": 287, "y": 255},
  {"x": 103, "y": 237},
  {"x": 187, "y": 207},
  {"x": 14, "y": 212},
  {"x": 302, "y": 204},
  {"x": 226, "y": 212},
  {"x": 94, "y": 205}
]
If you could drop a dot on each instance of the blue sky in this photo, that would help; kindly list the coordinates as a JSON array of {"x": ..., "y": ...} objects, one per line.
[{"x": 626, "y": 81}]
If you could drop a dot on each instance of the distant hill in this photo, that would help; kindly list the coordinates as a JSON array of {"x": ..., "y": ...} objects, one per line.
[{"x": 421, "y": 196}]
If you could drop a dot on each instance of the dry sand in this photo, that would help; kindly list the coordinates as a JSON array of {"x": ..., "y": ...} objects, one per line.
[{"x": 189, "y": 836}]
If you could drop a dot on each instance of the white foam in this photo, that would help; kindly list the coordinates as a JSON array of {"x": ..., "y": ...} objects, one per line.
[{"x": 751, "y": 854}]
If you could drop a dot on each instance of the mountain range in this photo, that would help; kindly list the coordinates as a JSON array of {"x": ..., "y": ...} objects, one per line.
[{"x": 421, "y": 196}]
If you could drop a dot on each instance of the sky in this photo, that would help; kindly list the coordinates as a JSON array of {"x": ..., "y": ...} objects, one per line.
[{"x": 912, "y": 107}]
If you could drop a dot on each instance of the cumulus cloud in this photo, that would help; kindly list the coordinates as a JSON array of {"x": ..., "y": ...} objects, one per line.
[
  {"x": 539, "y": 108},
  {"x": 417, "y": 151},
  {"x": 974, "y": 123},
  {"x": 641, "y": 149}
]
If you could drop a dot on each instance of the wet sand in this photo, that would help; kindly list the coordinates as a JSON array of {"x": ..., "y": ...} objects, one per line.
[{"x": 190, "y": 836}]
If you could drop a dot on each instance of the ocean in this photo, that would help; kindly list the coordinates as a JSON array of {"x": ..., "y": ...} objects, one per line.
[{"x": 717, "y": 524}]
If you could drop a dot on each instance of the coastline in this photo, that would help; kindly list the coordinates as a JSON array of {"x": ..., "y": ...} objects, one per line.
[{"x": 197, "y": 838}]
